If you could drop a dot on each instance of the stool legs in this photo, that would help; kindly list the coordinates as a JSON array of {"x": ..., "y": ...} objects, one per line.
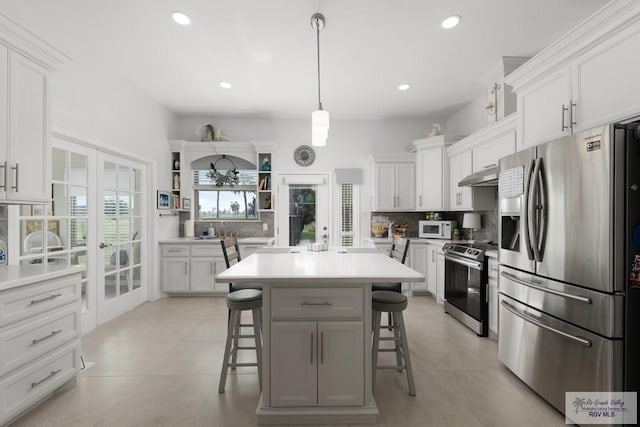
[
  {"x": 231, "y": 346},
  {"x": 401, "y": 348}
]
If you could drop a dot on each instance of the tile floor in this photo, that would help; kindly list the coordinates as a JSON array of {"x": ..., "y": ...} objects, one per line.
[{"x": 159, "y": 365}]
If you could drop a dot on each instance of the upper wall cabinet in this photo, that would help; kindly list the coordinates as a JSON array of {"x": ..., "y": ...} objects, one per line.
[
  {"x": 394, "y": 183},
  {"x": 432, "y": 173},
  {"x": 25, "y": 123},
  {"x": 585, "y": 79}
]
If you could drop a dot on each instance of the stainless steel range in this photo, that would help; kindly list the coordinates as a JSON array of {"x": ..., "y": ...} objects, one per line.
[{"x": 465, "y": 285}]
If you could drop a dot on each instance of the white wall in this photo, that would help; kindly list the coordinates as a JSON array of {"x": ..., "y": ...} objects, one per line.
[
  {"x": 104, "y": 111},
  {"x": 468, "y": 119},
  {"x": 349, "y": 146}
]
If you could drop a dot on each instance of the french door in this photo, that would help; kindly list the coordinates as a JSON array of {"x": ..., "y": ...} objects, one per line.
[
  {"x": 121, "y": 234},
  {"x": 304, "y": 208}
]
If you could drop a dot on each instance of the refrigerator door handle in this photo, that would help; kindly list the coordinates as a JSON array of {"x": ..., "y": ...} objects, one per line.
[
  {"x": 528, "y": 211},
  {"x": 533, "y": 212},
  {"x": 542, "y": 211},
  {"x": 533, "y": 285},
  {"x": 585, "y": 342}
]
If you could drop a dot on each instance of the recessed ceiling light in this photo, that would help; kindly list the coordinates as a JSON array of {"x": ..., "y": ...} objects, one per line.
[
  {"x": 451, "y": 22},
  {"x": 180, "y": 18},
  {"x": 225, "y": 85},
  {"x": 403, "y": 86}
]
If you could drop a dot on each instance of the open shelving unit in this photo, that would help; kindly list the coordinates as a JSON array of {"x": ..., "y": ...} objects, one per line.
[{"x": 265, "y": 182}]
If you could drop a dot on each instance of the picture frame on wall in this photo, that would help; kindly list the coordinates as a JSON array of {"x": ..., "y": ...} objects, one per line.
[
  {"x": 186, "y": 203},
  {"x": 163, "y": 199}
]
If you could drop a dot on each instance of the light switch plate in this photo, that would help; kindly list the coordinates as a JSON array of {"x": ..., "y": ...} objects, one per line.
[{"x": 265, "y": 226}]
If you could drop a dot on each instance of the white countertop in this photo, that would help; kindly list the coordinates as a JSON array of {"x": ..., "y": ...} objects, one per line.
[
  {"x": 306, "y": 267},
  {"x": 266, "y": 241},
  {"x": 12, "y": 276}
]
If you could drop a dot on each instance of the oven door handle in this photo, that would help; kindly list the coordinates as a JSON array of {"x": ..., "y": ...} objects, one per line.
[
  {"x": 585, "y": 342},
  {"x": 471, "y": 264},
  {"x": 579, "y": 298}
]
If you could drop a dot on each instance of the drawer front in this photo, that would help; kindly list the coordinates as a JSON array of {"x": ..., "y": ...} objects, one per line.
[
  {"x": 33, "y": 382},
  {"x": 29, "y": 300},
  {"x": 23, "y": 342},
  {"x": 175, "y": 250},
  {"x": 317, "y": 303},
  {"x": 493, "y": 268},
  {"x": 206, "y": 250}
]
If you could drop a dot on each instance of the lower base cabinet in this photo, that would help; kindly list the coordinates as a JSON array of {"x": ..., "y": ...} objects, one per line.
[
  {"x": 317, "y": 364},
  {"x": 191, "y": 268}
]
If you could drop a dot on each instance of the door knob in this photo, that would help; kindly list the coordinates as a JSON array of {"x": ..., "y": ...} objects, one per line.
[{"x": 103, "y": 245}]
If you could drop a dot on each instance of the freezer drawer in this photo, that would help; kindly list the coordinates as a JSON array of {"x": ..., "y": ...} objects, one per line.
[
  {"x": 594, "y": 311},
  {"x": 554, "y": 357}
]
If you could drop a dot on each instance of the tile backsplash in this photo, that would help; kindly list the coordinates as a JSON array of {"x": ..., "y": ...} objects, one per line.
[
  {"x": 488, "y": 221},
  {"x": 243, "y": 229}
]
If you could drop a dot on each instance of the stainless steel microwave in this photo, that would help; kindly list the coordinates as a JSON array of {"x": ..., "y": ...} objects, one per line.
[{"x": 436, "y": 229}]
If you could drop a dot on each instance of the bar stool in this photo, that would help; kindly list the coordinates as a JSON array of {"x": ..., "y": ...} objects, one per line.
[
  {"x": 399, "y": 251},
  {"x": 237, "y": 302},
  {"x": 393, "y": 303}
]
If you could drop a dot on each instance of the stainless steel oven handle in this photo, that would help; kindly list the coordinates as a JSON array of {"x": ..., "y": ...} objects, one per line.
[
  {"x": 579, "y": 298},
  {"x": 585, "y": 342},
  {"x": 468, "y": 263}
]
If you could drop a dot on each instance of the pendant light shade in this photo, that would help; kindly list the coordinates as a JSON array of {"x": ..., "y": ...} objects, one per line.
[{"x": 320, "y": 117}]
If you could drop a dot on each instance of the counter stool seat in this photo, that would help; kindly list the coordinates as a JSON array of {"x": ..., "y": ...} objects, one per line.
[
  {"x": 237, "y": 302},
  {"x": 393, "y": 303}
]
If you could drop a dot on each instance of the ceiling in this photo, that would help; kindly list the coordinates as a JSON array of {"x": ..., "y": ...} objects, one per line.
[{"x": 266, "y": 50}]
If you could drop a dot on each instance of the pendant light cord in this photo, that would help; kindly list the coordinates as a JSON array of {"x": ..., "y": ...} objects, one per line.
[{"x": 318, "y": 51}]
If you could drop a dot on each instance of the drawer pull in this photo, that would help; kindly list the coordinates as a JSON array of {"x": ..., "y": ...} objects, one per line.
[
  {"x": 51, "y": 375},
  {"x": 37, "y": 301},
  {"x": 174, "y": 251},
  {"x": 326, "y": 303},
  {"x": 52, "y": 334}
]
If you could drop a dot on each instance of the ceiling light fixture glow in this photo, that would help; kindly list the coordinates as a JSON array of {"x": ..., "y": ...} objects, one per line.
[
  {"x": 404, "y": 86},
  {"x": 451, "y": 22},
  {"x": 180, "y": 18},
  {"x": 225, "y": 85},
  {"x": 320, "y": 117}
]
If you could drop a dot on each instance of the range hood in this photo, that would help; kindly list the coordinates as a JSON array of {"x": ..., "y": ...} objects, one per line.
[{"x": 484, "y": 178}]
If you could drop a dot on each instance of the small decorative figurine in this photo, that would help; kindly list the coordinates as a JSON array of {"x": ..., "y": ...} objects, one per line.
[{"x": 266, "y": 165}]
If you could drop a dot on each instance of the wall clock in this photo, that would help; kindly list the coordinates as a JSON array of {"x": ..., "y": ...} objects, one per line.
[{"x": 304, "y": 155}]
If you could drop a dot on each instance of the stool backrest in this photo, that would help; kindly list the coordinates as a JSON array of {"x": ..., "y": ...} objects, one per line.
[
  {"x": 230, "y": 250},
  {"x": 399, "y": 249}
]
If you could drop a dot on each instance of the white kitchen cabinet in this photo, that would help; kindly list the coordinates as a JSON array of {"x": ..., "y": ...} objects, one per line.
[
  {"x": 394, "y": 184},
  {"x": 493, "y": 296},
  {"x": 460, "y": 166},
  {"x": 432, "y": 270},
  {"x": 487, "y": 154},
  {"x": 317, "y": 364},
  {"x": 175, "y": 274},
  {"x": 586, "y": 78},
  {"x": 418, "y": 256},
  {"x": 25, "y": 146},
  {"x": 440, "y": 277},
  {"x": 431, "y": 173},
  {"x": 191, "y": 267}
]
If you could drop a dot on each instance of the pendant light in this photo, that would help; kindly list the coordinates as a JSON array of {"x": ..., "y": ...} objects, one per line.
[{"x": 320, "y": 117}]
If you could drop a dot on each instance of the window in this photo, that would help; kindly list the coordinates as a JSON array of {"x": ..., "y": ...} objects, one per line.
[
  {"x": 348, "y": 214},
  {"x": 226, "y": 202}
]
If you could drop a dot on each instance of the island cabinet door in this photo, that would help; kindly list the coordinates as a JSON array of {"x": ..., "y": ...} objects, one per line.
[
  {"x": 340, "y": 364},
  {"x": 294, "y": 364}
]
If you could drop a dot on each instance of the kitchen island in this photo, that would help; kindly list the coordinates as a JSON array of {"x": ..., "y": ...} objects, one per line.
[{"x": 317, "y": 331}]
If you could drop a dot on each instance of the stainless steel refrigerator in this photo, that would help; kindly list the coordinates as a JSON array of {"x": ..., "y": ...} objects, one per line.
[{"x": 569, "y": 275}]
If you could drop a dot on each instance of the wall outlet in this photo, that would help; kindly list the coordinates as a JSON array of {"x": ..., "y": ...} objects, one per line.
[{"x": 265, "y": 226}]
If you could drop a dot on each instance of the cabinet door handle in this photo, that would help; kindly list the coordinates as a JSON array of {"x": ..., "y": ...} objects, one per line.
[
  {"x": 4, "y": 184},
  {"x": 311, "y": 352},
  {"x": 564, "y": 110},
  {"x": 46, "y": 337},
  {"x": 321, "y": 347},
  {"x": 326, "y": 303},
  {"x": 37, "y": 301},
  {"x": 51, "y": 375},
  {"x": 572, "y": 115},
  {"x": 15, "y": 168},
  {"x": 492, "y": 165}
]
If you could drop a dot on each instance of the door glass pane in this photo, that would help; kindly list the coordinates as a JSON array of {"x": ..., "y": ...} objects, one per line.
[
  {"x": 136, "y": 279},
  {"x": 123, "y": 204},
  {"x": 79, "y": 169},
  {"x": 110, "y": 283},
  {"x": 78, "y": 233},
  {"x": 124, "y": 178},
  {"x": 302, "y": 214},
  {"x": 59, "y": 165},
  {"x": 137, "y": 229},
  {"x": 125, "y": 281},
  {"x": 137, "y": 180},
  {"x": 110, "y": 176},
  {"x": 136, "y": 253},
  {"x": 77, "y": 201},
  {"x": 59, "y": 202},
  {"x": 136, "y": 204}
]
